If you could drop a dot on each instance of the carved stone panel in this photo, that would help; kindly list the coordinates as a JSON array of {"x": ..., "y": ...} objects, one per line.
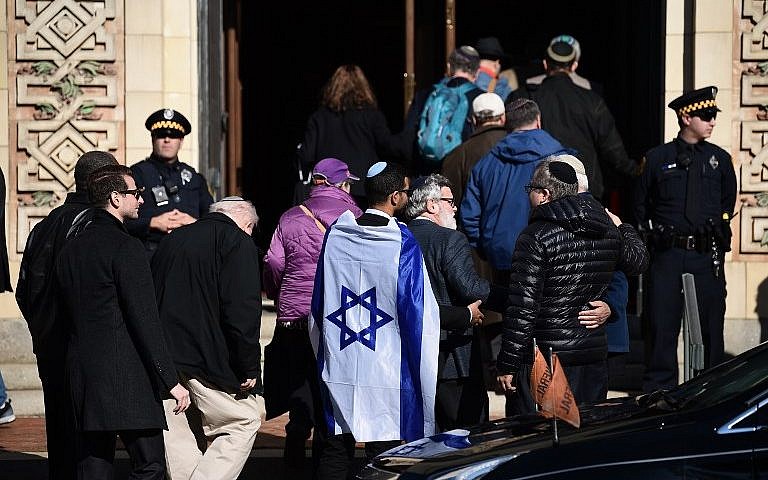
[
  {"x": 66, "y": 99},
  {"x": 752, "y": 68}
]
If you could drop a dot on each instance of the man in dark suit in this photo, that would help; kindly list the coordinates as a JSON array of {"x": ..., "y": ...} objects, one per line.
[
  {"x": 462, "y": 400},
  {"x": 36, "y": 300},
  {"x": 118, "y": 363}
]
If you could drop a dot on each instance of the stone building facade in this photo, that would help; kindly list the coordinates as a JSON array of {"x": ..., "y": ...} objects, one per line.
[{"x": 77, "y": 75}]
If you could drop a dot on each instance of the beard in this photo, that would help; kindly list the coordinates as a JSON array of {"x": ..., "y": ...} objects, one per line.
[{"x": 447, "y": 220}]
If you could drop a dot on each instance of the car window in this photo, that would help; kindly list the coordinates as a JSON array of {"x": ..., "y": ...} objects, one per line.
[{"x": 725, "y": 381}]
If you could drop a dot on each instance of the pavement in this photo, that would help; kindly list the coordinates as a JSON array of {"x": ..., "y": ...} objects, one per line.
[
  {"x": 23, "y": 451},
  {"x": 23, "y": 448}
]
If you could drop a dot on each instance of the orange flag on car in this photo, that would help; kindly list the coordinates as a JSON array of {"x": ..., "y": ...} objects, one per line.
[{"x": 551, "y": 391}]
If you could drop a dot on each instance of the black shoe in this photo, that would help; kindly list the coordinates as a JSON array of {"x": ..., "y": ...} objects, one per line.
[{"x": 6, "y": 412}]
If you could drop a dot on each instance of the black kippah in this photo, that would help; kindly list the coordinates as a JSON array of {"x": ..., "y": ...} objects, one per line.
[
  {"x": 563, "y": 172},
  {"x": 419, "y": 182}
]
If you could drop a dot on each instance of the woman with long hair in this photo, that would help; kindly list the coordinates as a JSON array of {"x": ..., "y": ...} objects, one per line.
[{"x": 349, "y": 126}]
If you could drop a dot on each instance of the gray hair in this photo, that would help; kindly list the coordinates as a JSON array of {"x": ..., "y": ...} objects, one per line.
[
  {"x": 464, "y": 59},
  {"x": 543, "y": 178},
  {"x": 486, "y": 116},
  {"x": 427, "y": 190},
  {"x": 578, "y": 166},
  {"x": 236, "y": 207}
]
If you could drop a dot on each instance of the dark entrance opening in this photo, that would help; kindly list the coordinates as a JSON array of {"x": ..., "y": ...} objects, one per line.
[{"x": 289, "y": 49}]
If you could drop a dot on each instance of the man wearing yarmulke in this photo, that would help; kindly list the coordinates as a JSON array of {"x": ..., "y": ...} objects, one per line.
[
  {"x": 174, "y": 193},
  {"x": 684, "y": 199},
  {"x": 563, "y": 260},
  {"x": 579, "y": 118}
]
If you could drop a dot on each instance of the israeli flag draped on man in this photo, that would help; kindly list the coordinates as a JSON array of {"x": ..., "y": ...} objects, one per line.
[{"x": 374, "y": 326}]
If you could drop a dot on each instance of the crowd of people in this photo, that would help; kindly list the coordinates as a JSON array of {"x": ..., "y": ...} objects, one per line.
[{"x": 144, "y": 296}]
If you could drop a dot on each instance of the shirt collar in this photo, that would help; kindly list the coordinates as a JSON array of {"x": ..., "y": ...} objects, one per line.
[{"x": 377, "y": 212}]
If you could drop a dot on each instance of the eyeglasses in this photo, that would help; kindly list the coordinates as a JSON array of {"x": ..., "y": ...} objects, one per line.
[
  {"x": 529, "y": 188},
  {"x": 450, "y": 201},
  {"x": 136, "y": 192},
  {"x": 705, "y": 116}
]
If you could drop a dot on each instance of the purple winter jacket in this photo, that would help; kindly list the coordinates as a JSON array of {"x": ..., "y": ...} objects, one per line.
[{"x": 290, "y": 263}]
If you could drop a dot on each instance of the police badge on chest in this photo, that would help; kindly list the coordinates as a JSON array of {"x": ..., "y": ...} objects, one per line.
[
  {"x": 186, "y": 176},
  {"x": 160, "y": 195}
]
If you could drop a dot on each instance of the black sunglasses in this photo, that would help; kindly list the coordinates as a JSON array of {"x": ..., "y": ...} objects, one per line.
[
  {"x": 136, "y": 192},
  {"x": 705, "y": 116},
  {"x": 529, "y": 188}
]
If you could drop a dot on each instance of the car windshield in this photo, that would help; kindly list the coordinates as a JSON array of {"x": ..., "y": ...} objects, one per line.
[{"x": 725, "y": 381}]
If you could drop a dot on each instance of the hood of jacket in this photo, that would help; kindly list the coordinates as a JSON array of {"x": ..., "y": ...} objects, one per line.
[
  {"x": 527, "y": 146},
  {"x": 580, "y": 214},
  {"x": 324, "y": 202}
]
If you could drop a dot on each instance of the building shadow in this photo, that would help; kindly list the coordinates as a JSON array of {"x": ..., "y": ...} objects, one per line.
[{"x": 761, "y": 309}]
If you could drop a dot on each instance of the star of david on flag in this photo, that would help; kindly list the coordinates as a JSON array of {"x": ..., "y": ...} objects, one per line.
[
  {"x": 372, "y": 287},
  {"x": 378, "y": 318}
]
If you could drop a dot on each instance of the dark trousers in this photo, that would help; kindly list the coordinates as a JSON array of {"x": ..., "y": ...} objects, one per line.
[
  {"x": 338, "y": 451},
  {"x": 589, "y": 383},
  {"x": 291, "y": 383},
  {"x": 664, "y": 312},
  {"x": 97, "y": 454},
  {"x": 59, "y": 419},
  {"x": 461, "y": 403}
]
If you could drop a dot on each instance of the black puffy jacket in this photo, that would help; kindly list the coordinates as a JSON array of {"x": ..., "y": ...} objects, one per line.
[{"x": 564, "y": 259}]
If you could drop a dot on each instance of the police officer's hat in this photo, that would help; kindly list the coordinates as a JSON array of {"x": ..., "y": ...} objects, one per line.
[
  {"x": 695, "y": 101},
  {"x": 168, "y": 123}
]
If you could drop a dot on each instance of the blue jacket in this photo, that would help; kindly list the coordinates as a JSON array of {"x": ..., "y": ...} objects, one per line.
[
  {"x": 502, "y": 88},
  {"x": 616, "y": 329},
  {"x": 495, "y": 208}
]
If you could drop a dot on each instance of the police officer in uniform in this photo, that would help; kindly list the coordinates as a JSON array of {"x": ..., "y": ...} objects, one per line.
[
  {"x": 174, "y": 193},
  {"x": 684, "y": 200}
]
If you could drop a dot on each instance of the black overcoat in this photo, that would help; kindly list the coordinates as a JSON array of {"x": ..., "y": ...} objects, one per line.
[
  {"x": 455, "y": 282},
  {"x": 118, "y": 363},
  {"x": 34, "y": 291},
  {"x": 5, "y": 275},
  {"x": 208, "y": 289}
]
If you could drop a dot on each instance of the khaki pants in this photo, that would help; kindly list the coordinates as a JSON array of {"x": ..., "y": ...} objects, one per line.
[{"x": 229, "y": 423}]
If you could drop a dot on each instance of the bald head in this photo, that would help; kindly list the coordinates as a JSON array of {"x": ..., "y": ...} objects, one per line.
[{"x": 241, "y": 211}]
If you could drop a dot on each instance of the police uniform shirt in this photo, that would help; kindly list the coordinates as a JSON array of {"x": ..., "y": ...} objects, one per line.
[
  {"x": 662, "y": 188},
  {"x": 185, "y": 189}
]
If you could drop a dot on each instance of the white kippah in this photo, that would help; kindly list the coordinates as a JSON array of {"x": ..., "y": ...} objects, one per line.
[{"x": 376, "y": 169}]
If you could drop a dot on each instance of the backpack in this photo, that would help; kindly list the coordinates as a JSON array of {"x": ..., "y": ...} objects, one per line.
[{"x": 442, "y": 120}]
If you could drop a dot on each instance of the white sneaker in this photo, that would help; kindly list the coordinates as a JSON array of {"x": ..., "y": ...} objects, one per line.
[{"x": 6, "y": 413}]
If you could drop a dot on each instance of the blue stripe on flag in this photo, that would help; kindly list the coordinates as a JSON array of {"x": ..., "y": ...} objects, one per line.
[
  {"x": 318, "y": 307},
  {"x": 410, "y": 314}
]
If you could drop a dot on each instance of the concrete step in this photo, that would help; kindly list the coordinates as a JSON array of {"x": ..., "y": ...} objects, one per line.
[
  {"x": 268, "y": 319},
  {"x": 27, "y": 402},
  {"x": 20, "y": 376},
  {"x": 15, "y": 341}
]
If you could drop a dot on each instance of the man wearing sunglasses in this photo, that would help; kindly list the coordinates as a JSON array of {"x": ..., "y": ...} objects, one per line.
[
  {"x": 118, "y": 362},
  {"x": 685, "y": 199},
  {"x": 36, "y": 298}
]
